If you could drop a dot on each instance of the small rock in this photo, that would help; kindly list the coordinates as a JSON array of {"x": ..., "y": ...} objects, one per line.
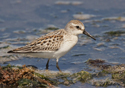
[
  {"x": 99, "y": 49},
  {"x": 108, "y": 40},
  {"x": 66, "y": 83},
  {"x": 83, "y": 16},
  {"x": 19, "y": 32},
  {"x": 76, "y": 3},
  {"x": 113, "y": 47},
  {"x": 115, "y": 18},
  {"x": 64, "y": 11},
  {"x": 68, "y": 3},
  {"x": 101, "y": 44}
]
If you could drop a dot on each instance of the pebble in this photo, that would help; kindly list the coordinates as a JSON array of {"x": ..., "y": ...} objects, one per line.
[
  {"x": 83, "y": 16},
  {"x": 68, "y": 3}
]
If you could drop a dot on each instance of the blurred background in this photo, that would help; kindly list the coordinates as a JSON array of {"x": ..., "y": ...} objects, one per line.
[{"x": 22, "y": 21}]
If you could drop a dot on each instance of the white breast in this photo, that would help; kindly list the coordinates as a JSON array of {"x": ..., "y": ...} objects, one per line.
[{"x": 68, "y": 44}]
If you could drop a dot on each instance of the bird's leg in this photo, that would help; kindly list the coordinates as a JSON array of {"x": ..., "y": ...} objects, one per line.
[
  {"x": 57, "y": 65},
  {"x": 47, "y": 64}
]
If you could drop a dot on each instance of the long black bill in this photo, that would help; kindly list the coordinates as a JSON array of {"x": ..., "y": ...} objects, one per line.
[{"x": 86, "y": 33}]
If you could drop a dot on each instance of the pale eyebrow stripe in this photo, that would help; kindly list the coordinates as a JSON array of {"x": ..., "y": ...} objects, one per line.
[{"x": 74, "y": 24}]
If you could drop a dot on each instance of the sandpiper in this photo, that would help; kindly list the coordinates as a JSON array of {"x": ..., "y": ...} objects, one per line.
[{"x": 55, "y": 44}]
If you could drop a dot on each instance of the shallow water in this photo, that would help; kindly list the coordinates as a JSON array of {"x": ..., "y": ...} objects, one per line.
[{"x": 22, "y": 21}]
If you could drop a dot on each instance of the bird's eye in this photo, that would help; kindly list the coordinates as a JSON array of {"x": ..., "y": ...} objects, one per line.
[{"x": 77, "y": 27}]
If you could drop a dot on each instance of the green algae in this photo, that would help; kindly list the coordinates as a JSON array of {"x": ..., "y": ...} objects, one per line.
[
  {"x": 11, "y": 67},
  {"x": 103, "y": 82},
  {"x": 29, "y": 77},
  {"x": 114, "y": 33},
  {"x": 105, "y": 72},
  {"x": 27, "y": 83},
  {"x": 39, "y": 78},
  {"x": 118, "y": 75},
  {"x": 82, "y": 76},
  {"x": 21, "y": 77},
  {"x": 51, "y": 28},
  {"x": 66, "y": 78},
  {"x": 4, "y": 47},
  {"x": 115, "y": 75},
  {"x": 40, "y": 75},
  {"x": 115, "y": 18}
]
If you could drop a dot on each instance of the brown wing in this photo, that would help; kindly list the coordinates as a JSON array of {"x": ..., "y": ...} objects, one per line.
[{"x": 48, "y": 42}]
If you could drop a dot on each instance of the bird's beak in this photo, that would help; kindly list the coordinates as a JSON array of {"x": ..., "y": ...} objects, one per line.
[{"x": 86, "y": 33}]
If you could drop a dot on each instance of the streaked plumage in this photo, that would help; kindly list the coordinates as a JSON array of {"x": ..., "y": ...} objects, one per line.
[
  {"x": 48, "y": 42},
  {"x": 54, "y": 44}
]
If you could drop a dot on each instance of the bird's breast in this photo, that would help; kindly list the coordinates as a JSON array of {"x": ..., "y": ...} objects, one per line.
[{"x": 68, "y": 44}]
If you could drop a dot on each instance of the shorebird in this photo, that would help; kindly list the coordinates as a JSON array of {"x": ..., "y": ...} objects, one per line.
[{"x": 54, "y": 44}]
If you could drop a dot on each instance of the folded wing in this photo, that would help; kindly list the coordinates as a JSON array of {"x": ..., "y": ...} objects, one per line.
[{"x": 47, "y": 43}]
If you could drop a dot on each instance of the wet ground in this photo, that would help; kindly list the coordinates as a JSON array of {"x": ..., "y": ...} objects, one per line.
[{"x": 22, "y": 21}]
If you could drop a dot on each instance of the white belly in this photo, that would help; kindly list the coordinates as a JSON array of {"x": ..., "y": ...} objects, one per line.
[{"x": 40, "y": 54}]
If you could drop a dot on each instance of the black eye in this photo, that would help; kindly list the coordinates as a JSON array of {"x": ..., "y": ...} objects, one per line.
[{"x": 77, "y": 27}]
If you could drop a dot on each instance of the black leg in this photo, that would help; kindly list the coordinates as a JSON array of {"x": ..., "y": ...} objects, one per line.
[
  {"x": 47, "y": 64},
  {"x": 58, "y": 66}
]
